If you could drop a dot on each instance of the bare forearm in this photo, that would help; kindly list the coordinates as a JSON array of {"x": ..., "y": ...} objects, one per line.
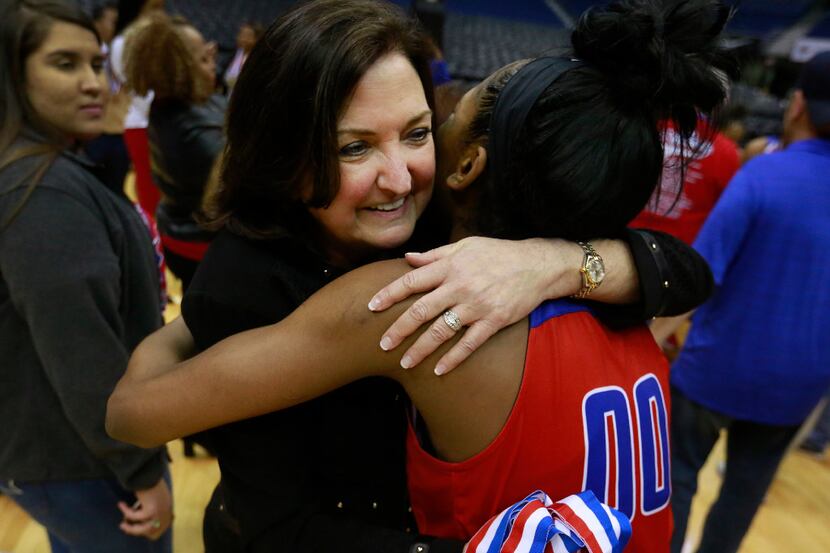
[
  {"x": 152, "y": 406},
  {"x": 243, "y": 376},
  {"x": 161, "y": 351}
]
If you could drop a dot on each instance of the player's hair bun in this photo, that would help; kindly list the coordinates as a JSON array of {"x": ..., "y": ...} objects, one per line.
[{"x": 661, "y": 52}]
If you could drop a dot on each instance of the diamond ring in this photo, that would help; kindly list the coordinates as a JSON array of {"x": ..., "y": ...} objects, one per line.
[{"x": 452, "y": 320}]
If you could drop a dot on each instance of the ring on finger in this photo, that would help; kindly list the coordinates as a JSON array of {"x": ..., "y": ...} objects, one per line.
[
  {"x": 452, "y": 320},
  {"x": 155, "y": 523}
]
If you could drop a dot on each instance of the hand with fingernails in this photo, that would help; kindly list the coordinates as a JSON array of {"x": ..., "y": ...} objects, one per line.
[
  {"x": 151, "y": 515},
  {"x": 481, "y": 283}
]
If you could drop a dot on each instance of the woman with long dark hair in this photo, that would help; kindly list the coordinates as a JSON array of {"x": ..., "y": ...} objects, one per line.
[{"x": 79, "y": 289}]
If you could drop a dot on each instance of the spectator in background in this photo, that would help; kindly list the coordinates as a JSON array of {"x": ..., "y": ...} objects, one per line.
[
  {"x": 438, "y": 65},
  {"x": 109, "y": 150},
  {"x": 170, "y": 57},
  {"x": 248, "y": 35},
  {"x": 105, "y": 19},
  {"x": 755, "y": 360},
  {"x": 130, "y": 13},
  {"x": 761, "y": 145},
  {"x": 685, "y": 197},
  {"x": 732, "y": 123},
  {"x": 78, "y": 290}
]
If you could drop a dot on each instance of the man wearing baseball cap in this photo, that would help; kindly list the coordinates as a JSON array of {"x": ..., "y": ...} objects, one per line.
[{"x": 755, "y": 360}]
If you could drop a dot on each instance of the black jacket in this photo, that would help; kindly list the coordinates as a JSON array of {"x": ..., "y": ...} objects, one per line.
[
  {"x": 79, "y": 289},
  {"x": 185, "y": 140}
]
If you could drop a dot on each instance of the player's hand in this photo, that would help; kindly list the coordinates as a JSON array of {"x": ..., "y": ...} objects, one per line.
[
  {"x": 488, "y": 283},
  {"x": 151, "y": 515}
]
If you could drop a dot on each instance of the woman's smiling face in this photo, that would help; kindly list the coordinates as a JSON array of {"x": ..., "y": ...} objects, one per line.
[{"x": 387, "y": 164}]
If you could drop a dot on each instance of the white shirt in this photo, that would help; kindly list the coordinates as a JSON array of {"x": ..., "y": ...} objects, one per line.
[{"x": 139, "y": 112}]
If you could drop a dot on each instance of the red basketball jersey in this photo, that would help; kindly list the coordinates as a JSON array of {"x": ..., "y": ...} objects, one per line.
[{"x": 592, "y": 413}]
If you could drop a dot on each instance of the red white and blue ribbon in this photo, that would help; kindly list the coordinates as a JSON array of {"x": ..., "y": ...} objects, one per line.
[{"x": 536, "y": 524}]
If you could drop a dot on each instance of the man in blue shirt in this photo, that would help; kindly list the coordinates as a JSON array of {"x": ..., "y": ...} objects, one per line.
[{"x": 755, "y": 361}]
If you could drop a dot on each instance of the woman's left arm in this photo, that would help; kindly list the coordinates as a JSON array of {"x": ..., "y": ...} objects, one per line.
[{"x": 491, "y": 284}]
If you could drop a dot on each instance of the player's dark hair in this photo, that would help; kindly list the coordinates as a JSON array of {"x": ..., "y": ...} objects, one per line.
[{"x": 591, "y": 152}]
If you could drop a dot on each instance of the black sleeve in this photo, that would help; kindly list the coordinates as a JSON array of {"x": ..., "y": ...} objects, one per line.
[
  {"x": 674, "y": 279},
  {"x": 200, "y": 145}
]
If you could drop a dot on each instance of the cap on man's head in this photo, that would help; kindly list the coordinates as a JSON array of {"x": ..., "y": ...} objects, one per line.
[{"x": 815, "y": 84}]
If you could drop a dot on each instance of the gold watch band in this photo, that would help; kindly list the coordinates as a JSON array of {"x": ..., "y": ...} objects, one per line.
[{"x": 588, "y": 283}]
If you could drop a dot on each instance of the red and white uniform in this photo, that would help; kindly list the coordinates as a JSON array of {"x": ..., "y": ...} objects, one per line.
[
  {"x": 592, "y": 413},
  {"x": 682, "y": 211}
]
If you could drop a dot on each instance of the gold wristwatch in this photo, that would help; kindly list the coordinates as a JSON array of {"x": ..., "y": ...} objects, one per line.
[{"x": 592, "y": 270}]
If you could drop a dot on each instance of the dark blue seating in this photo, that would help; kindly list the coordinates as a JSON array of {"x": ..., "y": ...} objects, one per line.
[
  {"x": 763, "y": 18},
  {"x": 531, "y": 11},
  {"x": 219, "y": 20},
  {"x": 576, "y": 7},
  {"x": 822, "y": 28},
  {"x": 475, "y": 46},
  {"x": 480, "y": 35},
  {"x": 756, "y": 18}
]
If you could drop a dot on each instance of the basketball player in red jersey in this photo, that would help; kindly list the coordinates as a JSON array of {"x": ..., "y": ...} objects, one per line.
[{"x": 564, "y": 147}]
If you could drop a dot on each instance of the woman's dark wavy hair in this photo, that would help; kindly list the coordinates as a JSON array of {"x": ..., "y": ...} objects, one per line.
[
  {"x": 283, "y": 113},
  {"x": 591, "y": 154},
  {"x": 24, "y": 25}
]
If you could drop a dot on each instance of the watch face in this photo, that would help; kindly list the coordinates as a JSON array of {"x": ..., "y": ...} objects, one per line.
[{"x": 595, "y": 269}]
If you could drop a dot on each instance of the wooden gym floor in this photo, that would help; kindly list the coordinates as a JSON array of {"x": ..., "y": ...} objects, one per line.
[{"x": 795, "y": 517}]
